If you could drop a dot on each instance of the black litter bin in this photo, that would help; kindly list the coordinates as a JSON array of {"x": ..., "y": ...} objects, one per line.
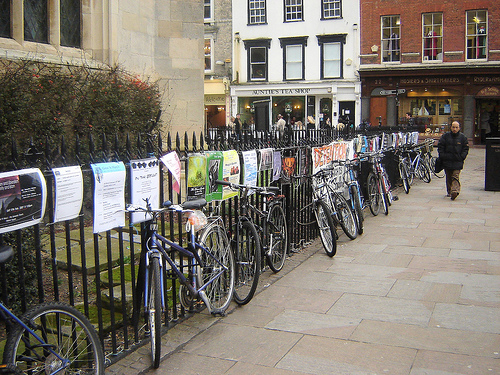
[{"x": 492, "y": 172}]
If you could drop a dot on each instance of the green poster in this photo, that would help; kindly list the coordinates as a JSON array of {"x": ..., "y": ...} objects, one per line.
[
  {"x": 214, "y": 172},
  {"x": 197, "y": 176}
]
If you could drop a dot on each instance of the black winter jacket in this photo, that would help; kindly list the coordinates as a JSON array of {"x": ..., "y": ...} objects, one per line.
[{"x": 453, "y": 149}]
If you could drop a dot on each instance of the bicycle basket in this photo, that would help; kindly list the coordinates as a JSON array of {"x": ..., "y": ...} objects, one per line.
[{"x": 197, "y": 219}]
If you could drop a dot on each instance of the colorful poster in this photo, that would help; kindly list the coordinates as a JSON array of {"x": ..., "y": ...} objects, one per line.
[
  {"x": 196, "y": 176},
  {"x": 265, "y": 159},
  {"x": 144, "y": 186},
  {"x": 23, "y": 195},
  {"x": 288, "y": 166},
  {"x": 109, "y": 196},
  {"x": 68, "y": 187},
  {"x": 214, "y": 172},
  {"x": 276, "y": 165},
  {"x": 230, "y": 172},
  {"x": 173, "y": 163},
  {"x": 321, "y": 156},
  {"x": 249, "y": 167}
]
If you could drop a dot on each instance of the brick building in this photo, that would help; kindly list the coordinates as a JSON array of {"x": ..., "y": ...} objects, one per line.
[{"x": 441, "y": 58}]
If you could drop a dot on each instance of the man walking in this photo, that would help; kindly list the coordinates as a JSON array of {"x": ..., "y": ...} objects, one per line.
[{"x": 453, "y": 149}]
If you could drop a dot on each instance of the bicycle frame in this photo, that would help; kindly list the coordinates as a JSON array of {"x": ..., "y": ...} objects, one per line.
[
  {"x": 6, "y": 314},
  {"x": 157, "y": 249}
]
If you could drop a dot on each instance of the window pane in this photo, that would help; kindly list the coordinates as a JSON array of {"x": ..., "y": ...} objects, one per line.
[
  {"x": 391, "y": 38},
  {"x": 331, "y": 60},
  {"x": 208, "y": 55},
  {"x": 294, "y": 62},
  {"x": 257, "y": 10},
  {"x": 35, "y": 21},
  {"x": 477, "y": 32},
  {"x": 293, "y": 10},
  {"x": 331, "y": 8},
  {"x": 207, "y": 10},
  {"x": 433, "y": 36},
  {"x": 257, "y": 55},
  {"x": 70, "y": 23},
  {"x": 5, "y": 19}
]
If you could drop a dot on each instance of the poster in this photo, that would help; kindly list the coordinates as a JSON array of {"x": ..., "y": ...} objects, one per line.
[
  {"x": 276, "y": 165},
  {"x": 23, "y": 195},
  {"x": 196, "y": 176},
  {"x": 144, "y": 185},
  {"x": 321, "y": 156},
  {"x": 288, "y": 166},
  {"x": 109, "y": 196},
  {"x": 214, "y": 172},
  {"x": 173, "y": 164},
  {"x": 68, "y": 186},
  {"x": 265, "y": 159},
  {"x": 230, "y": 172},
  {"x": 249, "y": 167}
]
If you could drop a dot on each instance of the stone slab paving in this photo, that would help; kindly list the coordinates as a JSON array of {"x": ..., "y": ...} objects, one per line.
[{"x": 418, "y": 293}]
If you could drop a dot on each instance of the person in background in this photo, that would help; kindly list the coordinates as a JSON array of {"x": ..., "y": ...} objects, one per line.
[
  {"x": 410, "y": 121},
  {"x": 237, "y": 125},
  {"x": 280, "y": 126},
  {"x": 453, "y": 149}
]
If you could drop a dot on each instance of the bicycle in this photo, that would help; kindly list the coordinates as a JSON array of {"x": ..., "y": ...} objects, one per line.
[
  {"x": 403, "y": 170},
  {"x": 210, "y": 265},
  {"x": 429, "y": 159},
  {"x": 252, "y": 241},
  {"x": 378, "y": 185},
  {"x": 416, "y": 166},
  {"x": 355, "y": 196},
  {"x": 50, "y": 338}
]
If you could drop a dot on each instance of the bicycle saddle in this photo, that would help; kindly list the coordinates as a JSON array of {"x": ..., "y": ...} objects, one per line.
[{"x": 195, "y": 204}]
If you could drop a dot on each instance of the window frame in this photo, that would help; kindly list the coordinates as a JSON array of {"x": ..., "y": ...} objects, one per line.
[
  {"x": 323, "y": 10},
  {"x": 476, "y": 35},
  {"x": 394, "y": 24},
  {"x": 249, "y": 10},
  {"x": 294, "y": 41},
  {"x": 339, "y": 39},
  {"x": 211, "y": 39},
  {"x": 287, "y": 10},
  {"x": 257, "y": 43},
  {"x": 427, "y": 51},
  {"x": 210, "y": 5}
]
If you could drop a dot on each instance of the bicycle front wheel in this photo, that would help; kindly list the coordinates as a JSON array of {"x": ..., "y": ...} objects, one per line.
[
  {"x": 327, "y": 230},
  {"x": 154, "y": 310},
  {"x": 68, "y": 333},
  {"x": 277, "y": 238},
  {"x": 403, "y": 172},
  {"x": 346, "y": 217},
  {"x": 423, "y": 172},
  {"x": 374, "y": 194},
  {"x": 217, "y": 268},
  {"x": 433, "y": 168},
  {"x": 358, "y": 209},
  {"x": 247, "y": 251}
]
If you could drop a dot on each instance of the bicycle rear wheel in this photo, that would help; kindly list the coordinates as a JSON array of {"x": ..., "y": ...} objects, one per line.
[
  {"x": 346, "y": 217},
  {"x": 327, "y": 230},
  {"x": 154, "y": 309},
  {"x": 247, "y": 250},
  {"x": 277, "y": 238},
  {"x": 68, "y": 332},
  {"x": 423, "y": 172},
  {"x": 374, "y": 194},
  {"x": 358, "y": 209},
  {"x": 220, "y": 291},
  {"x": 403, "y": 172}
]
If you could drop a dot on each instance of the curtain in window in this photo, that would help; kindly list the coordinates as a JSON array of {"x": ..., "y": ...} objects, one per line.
[
  {"x": 331, "y": 58},
  {"x": 294, "y": 62}
]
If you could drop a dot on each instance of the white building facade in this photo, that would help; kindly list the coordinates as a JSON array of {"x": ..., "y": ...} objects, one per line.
[{"x": 296, "y": 58}]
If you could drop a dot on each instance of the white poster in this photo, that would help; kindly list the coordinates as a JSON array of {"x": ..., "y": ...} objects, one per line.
[
  {"x": 23, "y": 195},
  {"x": 109, "y": 196},
  {"x": 68, "y": 183},
  {"x": 144, "y": 186},
  {"x": 249, "y": 167},
  {"x": 173, "y": 163}
]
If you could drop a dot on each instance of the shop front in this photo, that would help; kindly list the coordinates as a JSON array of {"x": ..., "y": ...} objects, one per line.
[
  {"x": 434, "y": 99},
  {"x": 311, "y": 106},
  {"x": 216, "y": 101}
]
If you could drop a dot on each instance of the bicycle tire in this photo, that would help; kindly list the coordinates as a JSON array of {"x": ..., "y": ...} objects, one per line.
[
  {"x": 154, "y": 310},
  {"x": 423, "y": 172},
  {"x": 403, "y": 172},
  {"x": 410, "y": 170},
  {"x": 53, "y": 321},
  {"x": 358, "y": 209},
  {"x": 327, "y": 229},
  {"x": 220, "y": 291},
  {"x": 433, "y": 168},
  {"x": 346, "y": 217},
  {"x": 385, "y": 203},
  {"x": 247, "y": 252},
  {"x": 277, "y": 238},
  {"x": 373, "y": 194}
]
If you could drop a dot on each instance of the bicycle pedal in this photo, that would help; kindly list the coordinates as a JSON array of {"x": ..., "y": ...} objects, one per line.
[{"x": 395, "y": 198}]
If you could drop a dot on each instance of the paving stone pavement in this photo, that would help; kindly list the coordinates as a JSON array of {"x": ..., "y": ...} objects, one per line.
[{"x": 417, "y": 293}]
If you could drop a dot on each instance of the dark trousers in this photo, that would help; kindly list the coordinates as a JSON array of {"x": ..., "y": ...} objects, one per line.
[{"x": 452, "y": 180}]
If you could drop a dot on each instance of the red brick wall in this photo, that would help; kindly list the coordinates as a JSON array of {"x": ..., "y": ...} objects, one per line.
[{"x": 411, "y": 25}]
